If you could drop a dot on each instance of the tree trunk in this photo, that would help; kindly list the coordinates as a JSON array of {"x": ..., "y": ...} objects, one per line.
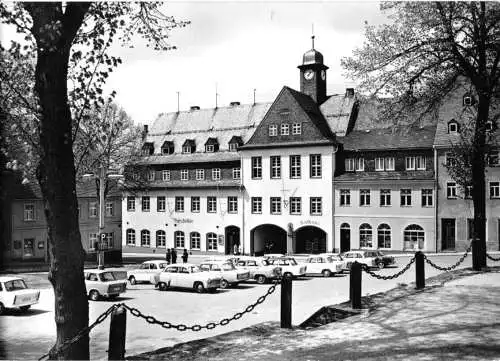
[{"x": 54, "y": 32}]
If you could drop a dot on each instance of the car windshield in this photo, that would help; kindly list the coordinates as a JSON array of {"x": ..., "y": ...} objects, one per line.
[
  {"x": 15, "y": 285},
  {"x": 228, "y": 267},
  {"x": 334, "y": 258},
  {"x": 107, "y": 276}
]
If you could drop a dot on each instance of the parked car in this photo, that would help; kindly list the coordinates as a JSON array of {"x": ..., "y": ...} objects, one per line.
[
  {"x": 260, "y": 269},
  {"x": 273, "y": 255},
  {"x": 231, "y": 259},
  {"x": 187, "y": 275},
  {"x": 14, "y": 293},
  {"x": 370, "y": 258},
  {"x": 146, "y": 271},
  {"x": 386, "y": 259},
  {"x": 325, "y": 265},
  {"x": 230, "y": 275},
  {"x": 338, "y": 258},
  {"x": 289, "y": 266},
  {"x": 103, "y": 283}
]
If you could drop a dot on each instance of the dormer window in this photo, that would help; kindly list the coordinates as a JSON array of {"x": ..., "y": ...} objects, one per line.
[
  {"x": 453, "y": 127},
  {"x": 188, "y": 146},
  {"x": 468, "y": 100},
  {"x": 148, "y": 148},
  {"x": 285, "y": 129},
  {"x": 235, "y": 143},
  {"x": 211, "y": 145},
  {"x": 209, "y": 148},
  {"x": 167, "y": 147},
  {"x": 273, "y": 130}
]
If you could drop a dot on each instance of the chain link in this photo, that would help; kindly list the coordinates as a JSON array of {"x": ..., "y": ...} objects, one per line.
[
  {"x": 210, "y": 325},
  {"x": 396, "y": 275},
  {"x": 81, "y": 333},
  {"x": 492, "y": 258},
  {"x": 452, "y": 266}
]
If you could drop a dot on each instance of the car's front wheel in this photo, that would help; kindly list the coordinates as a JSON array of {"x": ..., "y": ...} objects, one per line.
[
  {"x": 224, "y": 284},
  {"x": 288, "y": 275},
  {"x": 380, "y": 264},
  {"x": 132, "y": 280},
  {"x": 261, "y": 279},
  {"x": 162, "y": 286},
  {"x": 94, "y": 295},
  {"x": 326, "y": 273},
  {"x": 199, "y": 287}
]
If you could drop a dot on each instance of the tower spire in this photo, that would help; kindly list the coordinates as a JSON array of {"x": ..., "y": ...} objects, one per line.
[{"x": 312, "y": 36}]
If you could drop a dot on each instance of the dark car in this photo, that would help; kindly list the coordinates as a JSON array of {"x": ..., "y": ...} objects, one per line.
[{"x": 386, "y": 260}]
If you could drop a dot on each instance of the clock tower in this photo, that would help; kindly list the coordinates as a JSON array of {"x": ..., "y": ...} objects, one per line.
[{"x": 313, "y": 75}]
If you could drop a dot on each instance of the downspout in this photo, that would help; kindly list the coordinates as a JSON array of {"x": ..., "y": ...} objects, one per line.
[
  {"x": 436, "y": 186},
  {"x": 334, "y": 163},
  {"x": 242, "y": 191}
]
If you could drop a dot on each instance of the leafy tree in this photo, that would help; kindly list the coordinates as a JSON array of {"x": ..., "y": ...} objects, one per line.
[
  {"x": 419, "y": 57},
  {"x": 63, "y": 38}
]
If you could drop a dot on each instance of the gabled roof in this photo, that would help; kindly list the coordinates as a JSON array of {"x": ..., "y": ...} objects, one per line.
[
  {"x": 148, "y": 145},
  {"x": 190, "y": 142},
  {"x": 236, "y": 139},
  {"x": 211, "y": 140},
  {"x": 338, "y": 111},
  {"x": 167, "y": 143}
]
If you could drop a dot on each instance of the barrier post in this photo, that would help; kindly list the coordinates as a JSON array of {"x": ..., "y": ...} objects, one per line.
[
  {"x": 286, "y": 302},
  {"x": 355, "y": 285},
  {"x": 117, "y": 332},
  {"x": 419, "y": 270}
]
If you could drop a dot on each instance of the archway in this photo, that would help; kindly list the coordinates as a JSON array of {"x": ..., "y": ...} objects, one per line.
[
  {"x": 345, "y": 237},
  {"x": 267, "y": 238},
  {"x": 232, "y": 239},
  {"x": 310, "y": 239}
]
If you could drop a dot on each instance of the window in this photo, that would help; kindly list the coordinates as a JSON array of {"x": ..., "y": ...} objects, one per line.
[
  {"x": 165, "y": 175},
  {"x": 360, "y": 164},
  {"x": 275, "y": 205},
  {"x": 186, "y": 149},
  {"x": 364, "y": 197},
  {"x": 494, "y": 190},
  {"x": 273, "y": 130},
  {"x": 493, "y": 159},
  {"x": 237, "y": 173},
  {"x": 232, "y": 204},
  {"x": 385, "y": 197},
  {"x": 384, "y": 236},
  {"x": 349, "y": 165},
  {"x": 179, "y": 239},
  {"x": 468, "y": 100},
  {"x": 151, "y": 176},
  {"x": 256, "y": 204},
  {"x": 131, "y": 204},
  {"x": 233, "y": 147},
  {"x": 295, "y": 166},
  {"x": 161, "y": 239},
  {"x": 92, "y": 209},
  {"x": 285, "y": 129},
  {"x": 145, "y": 204},
  {"x": 315, "y": 160},
  {"x": 107, "y": 243},
  {"x": 410, "y": 163},
  {"x": 450, "y": 160},
  {"x": 109, "y": 210},
  {"x": 209, "y": 148},
  {"x": 275, "y": 166},
  {"x": 29, "y": 211},
  {"x": 93, "y": 239},
  {"x": 427, "y": 198},
  {"x": 389, "y": 163},
  {"x": 379, "y": 164},
  {"x": 296, "y": 128},
  {"x": 256, "y": 167},
  {"x": 130, "y": 237},
  {"x": 468, "y": 192},
  {"x": 420, "y": 160},
  {"x": 179, "y": 204},
  {"x": 200, "y": 174},
  {"x": 345, "y": 197},
  {"x": 295, "y": 205},
  {"x": 405, "y": 197},
  {"x": 145, "y": 238},
  {"x": 211, "y": 242},
  {"x": 160, "y": 204},
  {"x": 316, "y": 207},
  {"x": 195, "y": 204},
  {"x": 211, "y": 204},
  {"x": 413, "y": 237},
  {"x": 216, "y": 174},
  {"x": 195, "y": 240},
  {"x": 451, "y": 190},
  {"x": 452, "y": 127},
  {"x": 365, "y": 236},
  {"x": 184, "y": 174}
]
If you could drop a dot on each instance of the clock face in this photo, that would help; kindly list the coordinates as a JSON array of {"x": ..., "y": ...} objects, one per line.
[
  {"x": 309, "y": 74},
  {"x": 323, "y": 74}
]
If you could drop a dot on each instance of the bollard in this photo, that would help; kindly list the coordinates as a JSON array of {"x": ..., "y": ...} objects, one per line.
[
  {"x": 117, "y": 332},
  {"x": 355, "y": 285},
  {"x": 286, "y": 302},
  {"x": 419, "y": 270}
]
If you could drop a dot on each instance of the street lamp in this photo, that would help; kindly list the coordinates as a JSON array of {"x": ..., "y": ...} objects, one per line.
[{"x": 101, "y": 177}]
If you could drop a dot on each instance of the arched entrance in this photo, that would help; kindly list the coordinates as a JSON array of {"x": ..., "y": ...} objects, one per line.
[
  {"x": 232, "y": 234},
  {"x": 345, "y": 237},
  {"x": 310, "y": 239},
  {"x": 267, "y": 238}
]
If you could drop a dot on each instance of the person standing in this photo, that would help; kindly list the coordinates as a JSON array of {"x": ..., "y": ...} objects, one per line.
[
  {"x": 168, "y": 256},
  {"x": 185, "y": 256},
  {"x": 174, "y": 256}
]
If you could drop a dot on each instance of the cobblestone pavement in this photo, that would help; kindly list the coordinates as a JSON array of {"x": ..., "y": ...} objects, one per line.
[{"x": 456, "y": 317}]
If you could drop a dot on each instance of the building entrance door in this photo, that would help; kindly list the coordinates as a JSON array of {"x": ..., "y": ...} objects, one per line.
[
  {"x": 448, "y": 233},
  {"x": 233, "y": 245},
  {"x": 345, "y": 238}
]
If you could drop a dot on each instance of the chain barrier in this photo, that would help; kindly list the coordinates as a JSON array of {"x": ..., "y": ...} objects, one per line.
[
  {"x": 452, "y": 266},
  {"x": 365, "y": 268},
  {"x": 492, "y": 258},
  {"x": 209, "y": 325},
  {"x": 81, "y": 333}
]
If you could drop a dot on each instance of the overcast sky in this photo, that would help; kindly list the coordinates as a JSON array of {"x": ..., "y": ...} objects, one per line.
[{"x": 240, "y": 46}]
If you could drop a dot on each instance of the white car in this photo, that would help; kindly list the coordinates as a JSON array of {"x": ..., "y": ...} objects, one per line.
[
  {"x": 146, "y": 272},
  {"x": 230, "y": 275},
  {"x": 260, "y": 270},
  {"x": 325, "y": 265},
  {"x": 289, "y": 266},
  {"x": 367, "y": 257},
  {"x": 187, "y": 275},
  {"x": 336, "y": 257},
  {"x": 103, "y": 283},
  {"x": 15, "y": 294}
]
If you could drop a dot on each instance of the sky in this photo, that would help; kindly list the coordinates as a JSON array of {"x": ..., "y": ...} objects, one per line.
[{"x": 232, "y": 48}]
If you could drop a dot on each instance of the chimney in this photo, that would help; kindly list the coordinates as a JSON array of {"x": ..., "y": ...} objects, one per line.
[
  {"x": 145, "y": 131},
  {"x": 349, "y": 92},
  {"x": 195, "y": 107},
  {"x": 234, "y": 104}
]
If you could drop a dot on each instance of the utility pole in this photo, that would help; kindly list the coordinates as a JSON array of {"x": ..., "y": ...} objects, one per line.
[{"x": 102, "y": 235}]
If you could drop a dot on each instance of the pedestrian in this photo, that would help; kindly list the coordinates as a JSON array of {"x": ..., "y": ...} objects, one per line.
[
  {"x": 235, "y": 249},
  {"x": 185, "y": 256},
  {"x": 174, "y": 256},
  {"x": 168, "y": 256}
]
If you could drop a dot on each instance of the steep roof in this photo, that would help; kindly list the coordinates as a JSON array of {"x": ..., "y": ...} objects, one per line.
[{"x": 338, "y": 110}]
